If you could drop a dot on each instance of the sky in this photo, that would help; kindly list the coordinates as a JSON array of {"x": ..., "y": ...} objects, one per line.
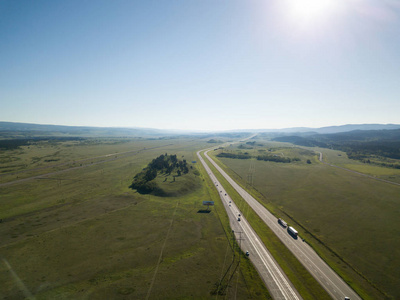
[{"x": 200, "y": 64}]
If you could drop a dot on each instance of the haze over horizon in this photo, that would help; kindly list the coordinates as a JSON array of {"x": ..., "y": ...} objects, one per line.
[{"x": 200, "y": 65}]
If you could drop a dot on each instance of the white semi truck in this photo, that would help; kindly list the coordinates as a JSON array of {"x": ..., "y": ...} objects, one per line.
[{"x": 293, "y": 232}]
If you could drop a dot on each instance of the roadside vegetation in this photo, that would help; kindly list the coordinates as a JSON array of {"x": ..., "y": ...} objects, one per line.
[{"x": 350, "y": 220}]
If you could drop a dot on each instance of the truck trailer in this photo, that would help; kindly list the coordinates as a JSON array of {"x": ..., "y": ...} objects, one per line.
[
  {"x": 283, "y": 223},
  {"x": 293, "y": 232}
]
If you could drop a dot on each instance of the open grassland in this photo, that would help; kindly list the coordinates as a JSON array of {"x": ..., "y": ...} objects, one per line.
[
  {"x": 340, "y": 159},
  {"x": 52, "y": 156},
  {"x": 302, "y": 280},
  {"x": 83, "y": 234},
  {"x": 351, "y": 220}
]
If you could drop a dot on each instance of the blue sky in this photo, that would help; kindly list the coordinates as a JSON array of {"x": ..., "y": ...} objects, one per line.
[{"x": 204, "y": 65}]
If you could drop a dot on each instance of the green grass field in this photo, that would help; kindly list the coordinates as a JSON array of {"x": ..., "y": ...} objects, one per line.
[
  {"x": 349, "y": 219},
  {"x": 83, "y": 234}
]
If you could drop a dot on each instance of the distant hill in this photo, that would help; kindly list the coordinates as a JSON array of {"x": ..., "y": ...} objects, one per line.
[
  {"x": 23, "y": 130},
  {"x": 362, "y": 145},
  {"x": 11, "y": 130},
  {"x": 329, "y": 129},
  {"x": 18, "y": 130},
  {"x": 352, "y": 127}
]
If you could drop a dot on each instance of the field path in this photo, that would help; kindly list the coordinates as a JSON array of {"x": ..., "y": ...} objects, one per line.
[{"x": 161, "y": 253}]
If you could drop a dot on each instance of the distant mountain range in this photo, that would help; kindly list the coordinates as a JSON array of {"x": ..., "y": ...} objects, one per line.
[
  {"x": 328, "y": 129},
  {"x": 26, "y": 129}
]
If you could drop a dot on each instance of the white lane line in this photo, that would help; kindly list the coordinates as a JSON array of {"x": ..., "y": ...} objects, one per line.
[{"x": 271, "y": 262}]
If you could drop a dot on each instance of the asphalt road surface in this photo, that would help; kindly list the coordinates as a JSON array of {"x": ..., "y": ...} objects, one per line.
[
  {"x": 329, "y": 280},
  {"x": 275, "y": 279}
]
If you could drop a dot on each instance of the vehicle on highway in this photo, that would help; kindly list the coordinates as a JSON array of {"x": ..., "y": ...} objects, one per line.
[
  {"x": 230, "y": 201},
  {"x": 239, "y": 215},
  {"x": 346, "y": 298},
  {"x": 293, "y": 232},
  {"x": 247, "y": 253},
  {"x": 238, "y": 219},
  {"x": 225, "y": 194},
  {"x": 283, "y": 223}
]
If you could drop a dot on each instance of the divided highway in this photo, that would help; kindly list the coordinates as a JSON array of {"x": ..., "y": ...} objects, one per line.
[
  {"x": 275, "y": 279},
  {"x": 329, "y": 280}
]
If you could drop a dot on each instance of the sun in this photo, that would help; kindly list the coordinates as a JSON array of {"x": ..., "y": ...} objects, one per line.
[{"x": 309, "y": 10}]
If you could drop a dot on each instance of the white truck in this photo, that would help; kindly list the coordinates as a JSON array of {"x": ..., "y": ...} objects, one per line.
[{"x": 293, "y": 232}]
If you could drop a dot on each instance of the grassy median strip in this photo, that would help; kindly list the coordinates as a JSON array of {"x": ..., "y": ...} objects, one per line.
[{"x": 303, "y": 281}]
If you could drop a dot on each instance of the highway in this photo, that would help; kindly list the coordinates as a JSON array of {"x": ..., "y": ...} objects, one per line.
[
  {"x": 329, "y": 280},
  {"x": 275, "y": 279}
]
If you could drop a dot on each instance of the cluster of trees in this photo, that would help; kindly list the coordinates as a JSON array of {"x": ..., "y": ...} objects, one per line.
[
  {"x": 168, "y": 163},
  {"x": 364, "y": 150},
  {"x": 164, "y": 164},
  {"x": 358, "y": 145},
  {"x": 214, "y": 141},
  {"x": 241, "y": 146},
  {"x": 13, "y": 144},
  {"x": 276, "y": 158},
  {"x": 9, "y": 144},
  {"x": 234, "y": 155}
]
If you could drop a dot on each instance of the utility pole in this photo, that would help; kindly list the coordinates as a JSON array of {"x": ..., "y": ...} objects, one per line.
[{"x": 240, "y": 242}]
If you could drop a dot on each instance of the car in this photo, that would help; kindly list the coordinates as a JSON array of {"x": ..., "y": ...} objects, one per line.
[
  {"x": 230, "y": 201},
  {"x": 239, "y": 215},
  {"x": 346, "y": 298},
  {"x": 247, "y": 253},
  {"x": 238, "y": 219},
  {"x": 225, "y": 194}
]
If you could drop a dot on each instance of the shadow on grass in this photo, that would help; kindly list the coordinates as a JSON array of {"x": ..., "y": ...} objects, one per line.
[{"x": 203, "y": 211}]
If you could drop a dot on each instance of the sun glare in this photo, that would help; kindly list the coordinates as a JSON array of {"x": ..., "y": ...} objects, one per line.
[{"x": 308, "y": 10}]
